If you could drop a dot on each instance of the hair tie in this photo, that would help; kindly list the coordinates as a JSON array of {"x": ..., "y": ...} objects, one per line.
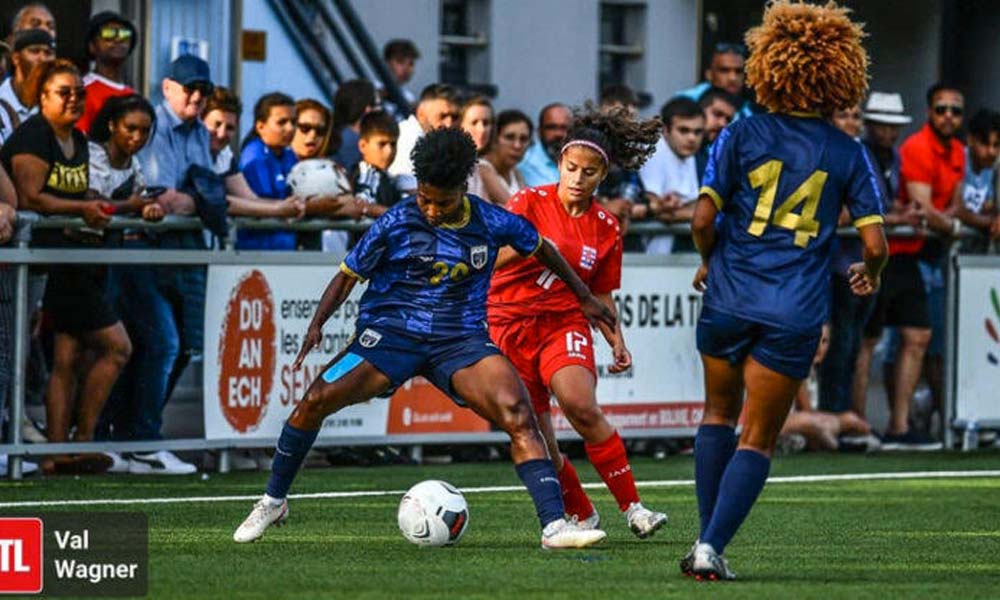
[{"x": 588, "y": 144}]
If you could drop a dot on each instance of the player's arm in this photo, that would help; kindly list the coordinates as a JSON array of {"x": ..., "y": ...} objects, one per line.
[
  {"x": 595, "y": 311},
  {"x": 506, "y": 256},
  {"x": 614, "y": 336},
  {"x": 704, "y": 234},
  {"x": 866, "y": 275},
  {"x": 336, "y": 293}
]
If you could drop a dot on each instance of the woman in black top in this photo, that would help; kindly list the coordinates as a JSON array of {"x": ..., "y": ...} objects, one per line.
[{"x": 48, "y": 159}]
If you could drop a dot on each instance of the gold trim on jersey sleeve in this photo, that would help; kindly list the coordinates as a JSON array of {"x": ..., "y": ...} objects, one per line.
[
  {"x": 350, "y": 272},
  {"x": 538, "y": 247},
  {"x": 869, "y": 220},
  {"x": 714, "y": 195}
]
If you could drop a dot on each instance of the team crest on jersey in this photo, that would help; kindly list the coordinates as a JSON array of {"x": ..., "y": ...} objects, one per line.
[
  {"x": 369, "y": 337},
  {"x": 478, "y": 256},
  {"x": 588, "y": 257}
]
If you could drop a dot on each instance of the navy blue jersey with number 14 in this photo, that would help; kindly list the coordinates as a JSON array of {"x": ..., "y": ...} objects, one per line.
[{"x": 780, "y": 182}]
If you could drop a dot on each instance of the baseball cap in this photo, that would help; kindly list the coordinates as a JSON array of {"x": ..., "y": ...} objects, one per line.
[
  {"x": 33, "y": 37},
  {"x": 886, "y": 108},
  {"x": 189, "y": 69}
]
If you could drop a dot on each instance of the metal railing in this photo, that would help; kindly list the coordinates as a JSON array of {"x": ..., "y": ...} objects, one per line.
[{"x": 23, "y": 256}]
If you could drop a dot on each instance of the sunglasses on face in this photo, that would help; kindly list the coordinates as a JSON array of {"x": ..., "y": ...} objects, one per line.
[
  {"x": 121, "y": 34},
  {"x": 67, "y": 92},
  {"x": 307, "y": 128},
  {"x": 729, "y": 48},
  {"x": 204, "y": 87},
  {"x": 941, "y": 109}
]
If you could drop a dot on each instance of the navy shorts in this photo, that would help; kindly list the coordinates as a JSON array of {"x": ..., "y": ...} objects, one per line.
[
  {"x": 726, "y": 336},
  {"x": 401, "y": 356}
]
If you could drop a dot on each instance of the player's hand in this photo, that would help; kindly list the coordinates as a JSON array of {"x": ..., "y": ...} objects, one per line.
[
  {"x": 623, "y": 359},
  {"x": 97, "y": 213},
  {"x": 313, "y": 337},
  {"x": 152, "y": 212},
  {"x": 862, "y": 283},
  {"x": 595, "y": 311},
  {"x": 701, "y": 278}
]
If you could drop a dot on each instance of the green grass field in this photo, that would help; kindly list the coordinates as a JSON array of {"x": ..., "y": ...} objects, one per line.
[{"x": 905, "y": 538}]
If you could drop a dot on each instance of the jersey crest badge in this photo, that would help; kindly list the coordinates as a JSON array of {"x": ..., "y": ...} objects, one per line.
[
  {"x": 369, "y": 338},
  {"x": 478, "y": 256},
  {"x": 588, "y": 257}
]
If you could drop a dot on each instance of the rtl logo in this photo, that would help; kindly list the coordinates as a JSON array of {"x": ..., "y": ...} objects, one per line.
[{"x": 20, "y": 556}]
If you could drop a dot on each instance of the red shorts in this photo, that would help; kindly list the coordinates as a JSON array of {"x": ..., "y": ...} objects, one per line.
[{"x": 540, "y": 346}]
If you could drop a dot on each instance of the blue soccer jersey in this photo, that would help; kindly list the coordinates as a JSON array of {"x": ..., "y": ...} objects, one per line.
[
  {"x": 431, "y": 281},
  {"x": 781, "y": 181}
]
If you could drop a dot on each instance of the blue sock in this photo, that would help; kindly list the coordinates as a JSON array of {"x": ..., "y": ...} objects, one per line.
[
  {"x": 741, "y": 484},
  {"x": 291, "y": 450},
  {"x": 713, "y": 447},
  {"x": 539, "y": 476}
]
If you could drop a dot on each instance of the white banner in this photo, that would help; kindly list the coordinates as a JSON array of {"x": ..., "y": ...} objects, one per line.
[
  {"x": 255, "y": 318},
  {"x": 978, "y": 373}
]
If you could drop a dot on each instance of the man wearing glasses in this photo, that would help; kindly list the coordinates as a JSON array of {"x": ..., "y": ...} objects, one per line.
[
  {"x": 725, "y": 71},
  {"x": 110, "y": 40}
]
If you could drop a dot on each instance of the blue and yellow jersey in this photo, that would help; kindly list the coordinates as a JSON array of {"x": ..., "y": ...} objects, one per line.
[
  {"x": 780, "y": 182},
  {"x": 432, "y": 281}
]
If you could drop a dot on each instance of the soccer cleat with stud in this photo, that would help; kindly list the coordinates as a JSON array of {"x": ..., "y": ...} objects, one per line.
[
  {"x": 708, "y": 565},
  {"x": 569, "y": 534},
  {"x": 263, "y": 515},
  {"x": 642, "y": 521},
  {"x": 687, "y": 563}
]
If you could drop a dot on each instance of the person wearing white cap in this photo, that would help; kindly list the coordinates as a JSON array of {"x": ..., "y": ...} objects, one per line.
[{"x": 884, "y": 118}]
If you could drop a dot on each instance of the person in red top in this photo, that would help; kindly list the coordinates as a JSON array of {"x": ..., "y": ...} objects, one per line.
[
  {"x": 536, "y": 321},
  {"x": 932, "y": 164},
  {"x": 110, "y": 40}
]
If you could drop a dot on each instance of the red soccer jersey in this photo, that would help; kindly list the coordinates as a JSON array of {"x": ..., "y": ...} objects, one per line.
[
  {"x": 99, "y": 90},
  {"x": 590, "y": 243}
]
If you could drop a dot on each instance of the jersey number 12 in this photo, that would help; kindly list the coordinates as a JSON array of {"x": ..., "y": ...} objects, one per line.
[{"x": 804, "y": 224}]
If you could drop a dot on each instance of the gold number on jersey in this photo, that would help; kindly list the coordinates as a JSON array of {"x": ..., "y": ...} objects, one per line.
[
  {"x": 804, "y": 224},
  {"x": 441, "y": 270}
]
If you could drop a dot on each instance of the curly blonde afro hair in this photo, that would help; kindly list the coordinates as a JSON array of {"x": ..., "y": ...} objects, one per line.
[{"x": 808, "y": 58}]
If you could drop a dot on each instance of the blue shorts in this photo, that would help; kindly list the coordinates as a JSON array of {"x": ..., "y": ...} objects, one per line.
[
  {"x": 726, "y": 336},
  {"x": 401, "y": 356}
]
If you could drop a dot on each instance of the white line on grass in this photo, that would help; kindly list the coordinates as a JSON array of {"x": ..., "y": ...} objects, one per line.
[{"x": 496, "y": 488}]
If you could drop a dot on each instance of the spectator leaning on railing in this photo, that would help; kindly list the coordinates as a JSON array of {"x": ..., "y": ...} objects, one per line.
[
  {"x": 975, "y": 201},
  {"x": 438, "y": 107},
  {"x": 498, "y": 169},
  {"x": 725, "y": 70},
  {"x": 478, "y": 119},
  {"x": 49, "y": 161},
  {"x": 539, "y": 164},
  {"x": 31, "y": 48}
]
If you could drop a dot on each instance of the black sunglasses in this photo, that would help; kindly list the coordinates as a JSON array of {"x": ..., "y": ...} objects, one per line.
[
  {"x": 307, "y": 128},
  {"x": 729, "y": 48},
  {"x": 67, "y": 92},
  {"x": 941, "y": 109},
  {"x": 204, "y": 87}
]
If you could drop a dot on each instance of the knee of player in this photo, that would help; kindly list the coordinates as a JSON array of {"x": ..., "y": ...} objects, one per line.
[
  {"x": 316, "y": 404},
  {"x": 583, "y": 416},
  {"x": 515, "y": 412},
  {"x": 120, "y": 351}
]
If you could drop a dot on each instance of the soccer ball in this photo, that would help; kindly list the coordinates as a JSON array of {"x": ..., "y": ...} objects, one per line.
[
  {"x": 433, "y": 513},
  {"x": 319, "y": 176}
]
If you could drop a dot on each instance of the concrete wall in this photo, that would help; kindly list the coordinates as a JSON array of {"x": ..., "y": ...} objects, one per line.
[{"x": 416, "y": 20}]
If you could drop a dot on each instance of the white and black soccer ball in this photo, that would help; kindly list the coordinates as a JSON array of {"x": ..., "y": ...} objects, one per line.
[
  {"x": 318, "y": 176},
  {"x": 433, "y": 513}
]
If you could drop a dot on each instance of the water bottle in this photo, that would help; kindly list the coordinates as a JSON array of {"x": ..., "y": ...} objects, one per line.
[{"x": 970, "y": 437}]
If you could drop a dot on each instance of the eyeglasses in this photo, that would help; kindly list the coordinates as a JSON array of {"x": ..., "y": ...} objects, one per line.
[
  {"x": 941, "y": 109},
  {"x": 121, "y": 34},
  {"x": 67, "y": 92},
  {"x": 204, "y": 87},
  {"x": 307, "y": 128}
]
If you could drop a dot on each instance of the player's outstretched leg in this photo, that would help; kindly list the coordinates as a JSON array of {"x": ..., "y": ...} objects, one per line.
[
  {"x": 578, "y": 504},
  {"x": 492, "y": 388},
  {"x": 715, "y": 441},
  {"x": 574, "y": 388},
  {"x": 769, "y": 398},
  {"x": 347, "y": 380}
]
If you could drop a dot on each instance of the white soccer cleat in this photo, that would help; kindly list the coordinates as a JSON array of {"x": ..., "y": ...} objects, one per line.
[
  {"x": 567, "y": 534},
  {"x": 119, "y": 464},
  {"x": 709, "y": 565},
  {"x": 642, "y": 521},
  {"x": 687, "y": 563},
  {"x": 163, "y": 462},
  {"x": 591, "y": 522},
  {"x": 263, "y": 515}
]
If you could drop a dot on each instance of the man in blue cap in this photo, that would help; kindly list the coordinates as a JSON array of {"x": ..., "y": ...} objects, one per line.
[{"x": 155, "y": 299}]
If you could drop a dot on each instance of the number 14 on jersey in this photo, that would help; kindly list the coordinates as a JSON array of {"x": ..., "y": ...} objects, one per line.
[{"x": 804, "y": 224}]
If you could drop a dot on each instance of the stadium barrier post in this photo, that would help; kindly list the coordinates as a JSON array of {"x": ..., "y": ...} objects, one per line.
[
  {"x": 417, "y": 453},
  {"x": 14, "y": 465},
  {"x": 950, "y": 346},
  {"x": 224, "y": 459}
]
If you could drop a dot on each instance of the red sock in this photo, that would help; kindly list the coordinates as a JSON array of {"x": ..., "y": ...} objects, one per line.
[
  {"x": 611, "y": 463},
  {"x": 576, "y": 500}
]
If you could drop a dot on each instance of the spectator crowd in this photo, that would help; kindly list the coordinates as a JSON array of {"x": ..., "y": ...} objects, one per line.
[{"x": 109, "y": 344}]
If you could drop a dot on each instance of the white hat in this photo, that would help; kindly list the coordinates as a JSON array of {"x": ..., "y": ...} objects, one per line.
[{"x": 883, "y": 107}]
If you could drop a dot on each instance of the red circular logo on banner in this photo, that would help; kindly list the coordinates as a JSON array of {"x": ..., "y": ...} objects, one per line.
[{"x": 247, "y": 353}]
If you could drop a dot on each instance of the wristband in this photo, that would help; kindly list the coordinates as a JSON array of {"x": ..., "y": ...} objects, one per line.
[{"x": 956, "y": 226}]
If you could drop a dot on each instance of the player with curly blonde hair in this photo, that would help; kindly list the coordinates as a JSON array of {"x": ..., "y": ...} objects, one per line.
[{"x": 780, "y": 180}]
